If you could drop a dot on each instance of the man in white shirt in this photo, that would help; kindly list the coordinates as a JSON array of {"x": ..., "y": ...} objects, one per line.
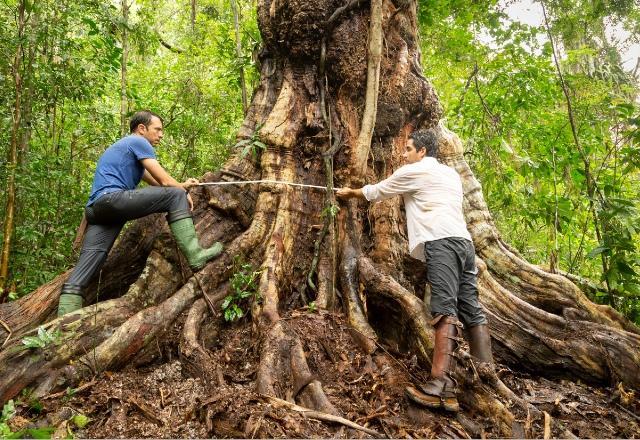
[{"x": 437, "y": 230}]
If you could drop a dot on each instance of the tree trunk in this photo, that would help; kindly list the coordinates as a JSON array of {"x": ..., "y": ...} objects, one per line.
[
  {"x": 236, "y": 27},
  {"x": 310, "y": 116},
  {"x": 193, "y": 15},
  {"x": 12, "y": 160},
  {"x": 124, "y": 101}
]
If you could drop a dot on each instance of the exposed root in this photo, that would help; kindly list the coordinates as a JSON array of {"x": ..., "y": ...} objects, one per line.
[
  {"x": 82, "y": 330},
  {"x": 198, "y": 360},
  {"x": 30, "y": 310},
  {"x": 321, "y": 415},
  {"x": 284, "y": 371},
  {"x": 191, "y": 328},
  {"x": 493, "y": 409},
  {"x": 489, "y": 376},
  {"x": 136, "y": 333},
  {"x": 364, "y": 335},
  {"x": 9, "y": 333},
  {"x": 270, "y": 360},
  {"x": 413, "y": 308},
  {"x": 547, "y": 342}
]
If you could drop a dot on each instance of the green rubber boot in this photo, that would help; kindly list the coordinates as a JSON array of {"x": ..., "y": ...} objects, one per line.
[
  {"x": 69, "y": 302},
  {"x": 185, "y": 234}
]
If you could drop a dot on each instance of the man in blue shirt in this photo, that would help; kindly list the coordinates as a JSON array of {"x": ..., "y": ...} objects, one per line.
[{"x": 114, "y": 200}]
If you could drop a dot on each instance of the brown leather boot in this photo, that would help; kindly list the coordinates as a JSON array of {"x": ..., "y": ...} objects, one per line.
[
  {"x": 480, "y": 343},
  {"x": 440, "y": 391}
]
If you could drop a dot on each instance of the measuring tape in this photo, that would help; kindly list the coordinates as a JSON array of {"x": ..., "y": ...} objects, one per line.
[{"x": 243, "y": 182}]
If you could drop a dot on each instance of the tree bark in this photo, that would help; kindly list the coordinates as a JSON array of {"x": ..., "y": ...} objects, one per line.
[
  {"x": 236, "y": 27},
  {"x": 304, "y": 113},
  {"x": 12, "y": 160},
  {"x": 124, "y": 101}
]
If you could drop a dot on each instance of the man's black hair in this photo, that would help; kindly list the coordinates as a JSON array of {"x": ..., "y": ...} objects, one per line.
[
  {"x": 142, "y": 117},
  {"x": 425, "y": 139}
]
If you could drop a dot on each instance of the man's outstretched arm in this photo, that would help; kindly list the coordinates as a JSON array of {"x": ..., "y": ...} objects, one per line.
[
  {"x": 155, "y": 175},
  {"x": 149, "y": 179},
  {"x": 154, "y": 170}
]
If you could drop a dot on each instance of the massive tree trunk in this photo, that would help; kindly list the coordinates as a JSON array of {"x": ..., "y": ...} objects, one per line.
[{"x": 309, "y": 109}]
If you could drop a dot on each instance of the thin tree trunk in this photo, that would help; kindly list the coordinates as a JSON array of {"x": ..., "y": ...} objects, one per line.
[
  {"x": 371, "y": 93},
  {"x": 9, "y": 218},
  {"x": 591, "y": 184},
  {"x": 124, "y": 102},
  {"x": 193, "y": 15},
  {"x": 243, "y": 85}
]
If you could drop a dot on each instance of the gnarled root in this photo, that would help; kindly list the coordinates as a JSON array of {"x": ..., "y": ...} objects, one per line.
[
  {"x": 83, "y": 330},
  {"x": 284, "y": 372},
  {"x": 353, "y": 304},
  {"x": 543, "y": 341}
]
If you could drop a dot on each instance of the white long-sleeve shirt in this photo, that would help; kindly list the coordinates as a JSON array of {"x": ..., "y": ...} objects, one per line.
[{"x": 432, "y": 195}]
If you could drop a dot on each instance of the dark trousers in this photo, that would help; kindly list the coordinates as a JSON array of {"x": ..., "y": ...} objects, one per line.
[
  {"x": 107, "y": 216},
  {"x": 452, "y": 273}
]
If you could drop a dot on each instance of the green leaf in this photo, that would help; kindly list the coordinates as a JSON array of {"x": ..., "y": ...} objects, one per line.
[
  {"x": 598, "y": 251},
  {"x": 623, "y": 267},
  {"x": 8, "y": 411},
  {"x": 243, "y": 142},
  {"x": 632, "y": 288},
  {"x": 227, "y": 300},
  {"x": 80, "y": 420},
  {"x": 33, "y": 342},
  {"x": 41, "y": 433}
]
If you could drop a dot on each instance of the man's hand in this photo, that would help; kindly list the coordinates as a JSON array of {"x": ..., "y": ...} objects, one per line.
[
  {"x": 190, "y": 183},
  {"x": 190, "y": 200},
  {"x": 349, "y": 193}
]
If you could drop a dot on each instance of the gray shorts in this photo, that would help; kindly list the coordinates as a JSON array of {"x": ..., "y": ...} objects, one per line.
[{"x": 452, "y": 274}]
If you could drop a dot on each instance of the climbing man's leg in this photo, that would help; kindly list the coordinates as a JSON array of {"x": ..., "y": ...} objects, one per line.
[{"x": 95, "y": 248}]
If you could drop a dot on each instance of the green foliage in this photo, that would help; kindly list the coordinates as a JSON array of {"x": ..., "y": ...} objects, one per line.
[
  {"x": 71, "y": 94},
  {"x": 43, "y": 339},
  {"x": 243, "y": 289},
  {"x": 80, "y": 420},
  {"x": 331, "y": 211},
  {"x": 500, "y": 90},
  {"x": 8, "y": 411},
  {"x": 312, "y": 307},
  {"x": 253, "y": 144}
]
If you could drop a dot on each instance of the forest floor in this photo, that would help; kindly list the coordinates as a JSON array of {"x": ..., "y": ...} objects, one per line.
[{"x": 157, "y": 396}]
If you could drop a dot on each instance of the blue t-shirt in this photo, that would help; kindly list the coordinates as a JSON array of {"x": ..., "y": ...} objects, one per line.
[{"x": 119, "y": 167}]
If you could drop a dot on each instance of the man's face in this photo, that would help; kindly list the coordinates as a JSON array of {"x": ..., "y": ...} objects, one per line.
[
  {"x": 153, "y": 133},
  {"x": 410, "y": 154}
]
